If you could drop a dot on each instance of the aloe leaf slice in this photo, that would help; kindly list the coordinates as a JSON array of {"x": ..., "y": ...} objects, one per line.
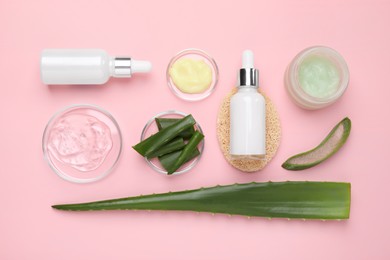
[
  {"x": 154, "y": 142},
  {"x": 192, "y": 144},
  {"x": 329, "y": 146},
  {"x": 172, "y": 146},
  {"x": 162, "y": 123},
  {"x": 308, "y": 200},
  {"x": 168, "y": 160}
]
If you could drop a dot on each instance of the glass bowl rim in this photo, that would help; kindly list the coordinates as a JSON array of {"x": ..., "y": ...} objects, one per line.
[
  {"x": 194, "y": 51},
  {"x": 193, "y": 162},
  {"x": 69, "y": 108}
]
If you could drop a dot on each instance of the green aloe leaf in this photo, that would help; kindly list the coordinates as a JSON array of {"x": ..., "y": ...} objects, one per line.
[
  {"x": 174, "y": 145},
  {"x": 163, "y": 122},
  {"x": 307, "y": 200},
  {"x": 168, "y": 160},
  {"x": 192, "y": 144},
  {"x": 154, "y": 142}
]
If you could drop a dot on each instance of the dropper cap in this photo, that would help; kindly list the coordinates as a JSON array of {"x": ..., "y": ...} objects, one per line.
[
  {"x": 124, "y": 67},
  {"x": 248, "y": 76}
]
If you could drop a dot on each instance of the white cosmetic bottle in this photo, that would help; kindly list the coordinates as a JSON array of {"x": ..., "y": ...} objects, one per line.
[
  {"x": 247, "y": 114},
  {"x": 86, "y": 66}
]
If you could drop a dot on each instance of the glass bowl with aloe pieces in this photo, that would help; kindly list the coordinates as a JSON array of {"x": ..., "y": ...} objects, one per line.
[{"x": 172, "y": 142}]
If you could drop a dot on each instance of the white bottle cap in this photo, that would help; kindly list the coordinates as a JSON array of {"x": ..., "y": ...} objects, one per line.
[
  {"x": 140, "y": 66},
  {"x": 124, "y": 67},
  {"x": 248, "y": 59},
  {"x": 248, "y": 76}
]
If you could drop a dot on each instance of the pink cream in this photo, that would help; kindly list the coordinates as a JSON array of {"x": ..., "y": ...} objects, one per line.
[{"x": 80, "y": 141}]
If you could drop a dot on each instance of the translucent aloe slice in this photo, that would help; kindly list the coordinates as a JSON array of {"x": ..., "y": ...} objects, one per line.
[{"x": 329, "y": 146}]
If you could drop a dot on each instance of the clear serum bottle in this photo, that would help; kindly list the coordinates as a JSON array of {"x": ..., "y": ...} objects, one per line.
[{"x": 247, "y": 114}]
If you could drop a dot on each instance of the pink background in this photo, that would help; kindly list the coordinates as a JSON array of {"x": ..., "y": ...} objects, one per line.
[{"x": 156, "y": 30}]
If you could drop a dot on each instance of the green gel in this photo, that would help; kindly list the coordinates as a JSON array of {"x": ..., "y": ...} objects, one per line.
[{"x": 319, "y": 76}]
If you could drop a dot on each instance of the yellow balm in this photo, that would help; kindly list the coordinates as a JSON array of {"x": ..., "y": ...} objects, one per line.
[{"x": 191, "y": 76}]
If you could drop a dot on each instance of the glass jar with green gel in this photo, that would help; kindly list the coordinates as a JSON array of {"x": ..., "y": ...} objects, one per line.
[{"x": 316, "y": 77}]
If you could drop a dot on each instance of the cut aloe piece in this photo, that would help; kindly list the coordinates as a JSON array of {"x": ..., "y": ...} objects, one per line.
[
  {"x": 163, "y": 122},
  {"x": 172, "y": 146},
  {"x": 168, "y": 160},
  {"x": 329, "y": 146},
  {"x": 154, "y": 142},
  {"x": 192, "y": 144},
  {"x": 308, "y": 200}
]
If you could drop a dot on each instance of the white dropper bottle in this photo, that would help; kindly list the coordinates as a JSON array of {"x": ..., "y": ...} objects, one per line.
[
  {"x": 86, "y": 66},
  {"x": 247, "y": 114}
]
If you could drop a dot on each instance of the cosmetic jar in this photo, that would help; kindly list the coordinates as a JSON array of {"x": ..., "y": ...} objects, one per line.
[
  {"x": 151, "y": 128},
  {"x": 197, "y": 55},
  {"x": 317, "y": 77},
  {"x": 82, "y": 143}
]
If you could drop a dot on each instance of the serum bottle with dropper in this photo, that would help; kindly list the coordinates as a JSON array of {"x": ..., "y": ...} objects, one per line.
[
  {"x": 86, "y": 66},
  {"x": 247, "y": 114}
]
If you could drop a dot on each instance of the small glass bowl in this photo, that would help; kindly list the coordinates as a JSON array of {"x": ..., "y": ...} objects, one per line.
[
  {"x": 151, "y": 128},
  {"x": 72, "y": 174},
  {"x": 199, "y": 55}
]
